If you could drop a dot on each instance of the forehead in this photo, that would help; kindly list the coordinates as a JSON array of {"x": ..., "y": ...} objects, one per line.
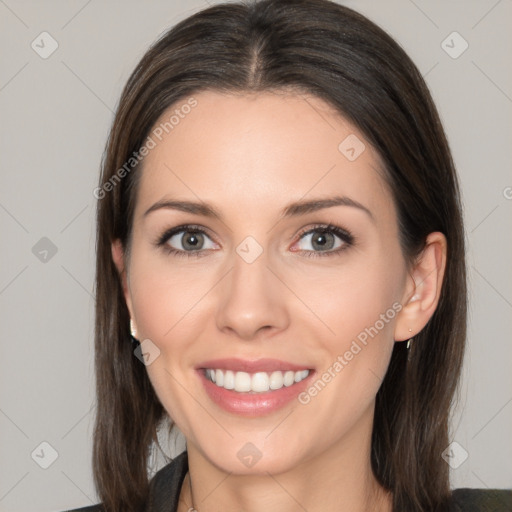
[{"x": 243, "y": 151}]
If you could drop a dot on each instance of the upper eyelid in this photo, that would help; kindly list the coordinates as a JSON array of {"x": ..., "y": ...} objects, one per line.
[
  {"x": 322, "y": 227},
  {"x": 168, "y": 233}
]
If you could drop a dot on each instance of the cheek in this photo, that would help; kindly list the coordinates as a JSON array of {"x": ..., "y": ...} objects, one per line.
[
  {"x": 170, "y": 302},
  {"x": 355, "y": 359},
  {"x": 352, "y": 300},
  {"x": 165, "y": 297},
  {"x": 167, "y": 304},
  {"x": 360, "y": 307}
]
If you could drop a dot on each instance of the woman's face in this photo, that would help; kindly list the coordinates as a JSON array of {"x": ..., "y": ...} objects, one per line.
[{"x": 254, "y": 288}]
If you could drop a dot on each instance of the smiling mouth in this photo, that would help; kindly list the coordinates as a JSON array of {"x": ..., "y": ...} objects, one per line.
[{"x": 259, "y": 382}]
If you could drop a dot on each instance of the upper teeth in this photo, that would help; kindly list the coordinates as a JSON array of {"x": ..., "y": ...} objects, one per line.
[{"x": 257, "y": 382}]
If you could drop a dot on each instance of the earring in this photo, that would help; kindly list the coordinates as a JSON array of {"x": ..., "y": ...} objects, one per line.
[
  {"x": 133, "y": 333},
  {"x": 409, "y": 340}
]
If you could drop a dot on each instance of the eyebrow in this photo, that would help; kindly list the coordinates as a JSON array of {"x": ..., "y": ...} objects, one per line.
[{"x": 292, "y": 210}]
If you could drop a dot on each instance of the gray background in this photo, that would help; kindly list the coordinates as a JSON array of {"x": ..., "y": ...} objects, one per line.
[{"x": 55, "y": 115}]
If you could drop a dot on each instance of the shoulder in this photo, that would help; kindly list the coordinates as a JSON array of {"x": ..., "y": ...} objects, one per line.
[
  {"x": 481, "y": 500},
  {"x": 164, "y": 487},
  {"x": 91, "y": 508}
]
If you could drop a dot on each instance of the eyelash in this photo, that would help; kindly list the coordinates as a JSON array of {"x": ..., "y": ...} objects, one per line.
[{"x": 346, "y": 237}]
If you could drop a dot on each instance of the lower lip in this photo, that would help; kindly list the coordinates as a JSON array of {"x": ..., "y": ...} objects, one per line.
[{"x": 253, "y": 404}]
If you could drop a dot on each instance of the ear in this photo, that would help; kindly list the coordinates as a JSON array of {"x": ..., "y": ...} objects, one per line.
[
  {"x": 118, "y": 257},
  {"x": 423, "y": 288}
]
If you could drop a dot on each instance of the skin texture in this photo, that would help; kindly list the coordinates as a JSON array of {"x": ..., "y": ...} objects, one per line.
[{"x": 250, "y": 156}]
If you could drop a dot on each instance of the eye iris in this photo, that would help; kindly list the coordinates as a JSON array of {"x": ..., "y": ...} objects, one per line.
[
  {"x": 191, "y": 240},
  {"x": 320, "y": 240}
]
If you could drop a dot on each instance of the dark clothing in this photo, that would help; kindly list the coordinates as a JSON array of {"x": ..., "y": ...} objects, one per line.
[{"x": 165, "y": 486}]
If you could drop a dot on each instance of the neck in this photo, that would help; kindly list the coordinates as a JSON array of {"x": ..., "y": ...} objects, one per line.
[{"x": 336, "y": 480}]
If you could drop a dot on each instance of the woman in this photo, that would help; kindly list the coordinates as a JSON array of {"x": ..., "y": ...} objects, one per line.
[{"x": 280, "y": 271}]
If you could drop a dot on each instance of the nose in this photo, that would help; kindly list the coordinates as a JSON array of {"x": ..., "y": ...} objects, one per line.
[{"x": 252, "y": 300}]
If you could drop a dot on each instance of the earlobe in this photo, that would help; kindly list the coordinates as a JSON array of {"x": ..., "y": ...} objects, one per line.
[{"x": 423, "y": 288}]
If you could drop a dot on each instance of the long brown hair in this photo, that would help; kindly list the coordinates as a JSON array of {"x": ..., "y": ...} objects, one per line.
[{"x": 318, "y": 47}]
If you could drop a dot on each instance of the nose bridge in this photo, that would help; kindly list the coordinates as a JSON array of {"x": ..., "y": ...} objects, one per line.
[
  {"x": 250, "y": 299},
  {"x": 249, "y": 274}
]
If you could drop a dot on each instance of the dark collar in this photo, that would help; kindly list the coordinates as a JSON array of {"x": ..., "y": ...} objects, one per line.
[{"x": 165, "y": 486}]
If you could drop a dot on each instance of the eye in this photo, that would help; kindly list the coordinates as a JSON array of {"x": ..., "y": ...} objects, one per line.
[
  {"x": 327, "y": 239},
  {"x": 193, "y": 241},
  {"x": 186, "y": 241}
]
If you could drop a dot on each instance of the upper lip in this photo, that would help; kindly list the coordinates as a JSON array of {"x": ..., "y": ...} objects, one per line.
[{"x": 252, "y": 366}]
